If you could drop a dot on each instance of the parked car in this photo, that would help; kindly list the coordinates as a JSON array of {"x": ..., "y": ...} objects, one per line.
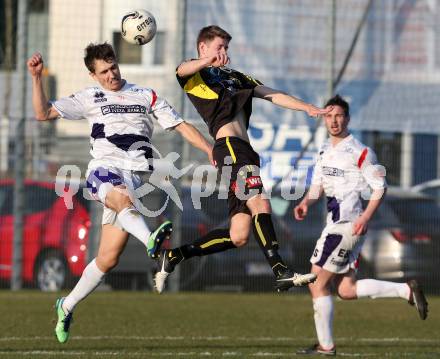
[
  {"x": 55, "y": 238},
  {"x": 403, "y": 240},
  {"x": 430, "y": 188}
]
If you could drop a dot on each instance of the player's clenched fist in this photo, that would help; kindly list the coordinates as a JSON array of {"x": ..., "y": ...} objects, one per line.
[
  {"x": 219, "y": 60},
  {"x": 35, "y": 64},
  {"x": 300, "y": 211}
]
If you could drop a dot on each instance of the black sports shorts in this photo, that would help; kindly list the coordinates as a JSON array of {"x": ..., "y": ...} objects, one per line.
[{"x": 244, "y": 163}]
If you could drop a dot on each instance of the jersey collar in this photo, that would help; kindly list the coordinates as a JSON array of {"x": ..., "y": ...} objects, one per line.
[
  {"x": 124, "y": 87},
  {"x": 342, "y": 142}
]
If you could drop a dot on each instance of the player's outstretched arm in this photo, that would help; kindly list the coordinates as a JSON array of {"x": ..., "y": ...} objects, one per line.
[
  {"x": 360, "y": 225},
  {"x": 376, "y": 199},
  {"x": 193, "y": 136},
  {"x": 43, "y": 110},
  {"x": 284, "y": 100},
  {"x": 374, "y": 175},
  {"x": 189, "y": 68}
]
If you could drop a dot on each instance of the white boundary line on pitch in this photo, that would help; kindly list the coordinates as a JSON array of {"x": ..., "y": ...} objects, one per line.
[
  {"x": 222, "y": 338},
  {"x": 184, "y": 354}
]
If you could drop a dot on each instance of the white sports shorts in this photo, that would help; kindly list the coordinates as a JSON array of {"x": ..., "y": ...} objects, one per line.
[
  {"x": 337, "y": 250},
  {"x": 101, "y": 180}
]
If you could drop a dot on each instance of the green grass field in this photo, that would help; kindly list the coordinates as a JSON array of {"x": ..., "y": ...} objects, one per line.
[{"x": 214, "y": 325}]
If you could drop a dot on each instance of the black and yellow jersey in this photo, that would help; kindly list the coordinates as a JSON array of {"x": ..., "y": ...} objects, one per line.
[{"x": 219, "y": 94}]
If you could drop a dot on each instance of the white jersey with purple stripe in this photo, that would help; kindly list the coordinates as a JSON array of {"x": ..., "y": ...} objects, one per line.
[
  {"x": 121, "y": 123},
  {"x": 344, "y": 171}
]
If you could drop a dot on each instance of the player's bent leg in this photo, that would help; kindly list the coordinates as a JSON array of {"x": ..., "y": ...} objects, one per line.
[
  {"x": 321, "y": 286},
  {"x": 410, "y": 291},
  {"x": 90, "y": 279},
  {"x": 264, "y": 233},
  {"x": 215, "y": 241},
  {"x": 240, "y": 229},
  {"x": 265, "y": 236},
  {"x": 374, "y": 288},
  {"x": 112, "y": 243},
  {"x": 346, "y": 285},
  {"x": 118, "y": 199}
]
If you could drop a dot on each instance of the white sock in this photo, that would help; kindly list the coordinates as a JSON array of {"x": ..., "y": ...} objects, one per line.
[
  {"x": 323, "y": 307},
  {"x": 381, "y": 289},
  {"x": 132, "y": 221},
  {"x": 90, "y": 279}
]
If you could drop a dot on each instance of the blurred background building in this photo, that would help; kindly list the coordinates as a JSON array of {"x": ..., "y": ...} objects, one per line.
[
  {"x": 390, "y": 78},
  {"x": 383, "y": 56}
]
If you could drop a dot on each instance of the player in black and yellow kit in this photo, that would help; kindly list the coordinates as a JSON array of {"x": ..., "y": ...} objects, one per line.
[{"x": 223, "y": 98}]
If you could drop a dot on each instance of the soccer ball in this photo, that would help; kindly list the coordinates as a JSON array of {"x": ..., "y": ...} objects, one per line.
[{"x": 138, "y": 27}]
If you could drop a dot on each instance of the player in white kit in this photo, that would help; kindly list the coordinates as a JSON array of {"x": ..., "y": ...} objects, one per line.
[
  {"x": 121, "y": 118},
  {"x": 345, "y": 168}
]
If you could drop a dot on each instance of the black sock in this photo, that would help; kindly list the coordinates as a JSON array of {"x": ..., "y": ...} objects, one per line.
[
  {"x": 215, "y": 241},
  {"x": 175, "y": 256},
  {"x": 266, "y": 238}
]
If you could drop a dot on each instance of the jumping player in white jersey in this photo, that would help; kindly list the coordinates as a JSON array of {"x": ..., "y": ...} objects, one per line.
[
  {"x": 346, "y": 167},
  {"x": 121, "y": 118}
]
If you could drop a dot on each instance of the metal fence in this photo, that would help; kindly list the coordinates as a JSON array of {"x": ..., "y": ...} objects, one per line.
[{"x": 383, "y": 56}]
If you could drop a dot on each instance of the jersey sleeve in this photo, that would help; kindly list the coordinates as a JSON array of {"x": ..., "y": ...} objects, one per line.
[
  {"x": 164, "y": 113},
  {"x": 183, "y": 80},
  {"x": 372, "y": 171},
  {"x": 71, "y": 108},
  {"x": 253, "y": 82}
]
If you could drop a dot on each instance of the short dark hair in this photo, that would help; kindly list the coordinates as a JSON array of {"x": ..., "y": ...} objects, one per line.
[
  {"x": 208, "y": 33},
  {"x": 98, "y": 52},
  {"x": 339, "y": 101}
]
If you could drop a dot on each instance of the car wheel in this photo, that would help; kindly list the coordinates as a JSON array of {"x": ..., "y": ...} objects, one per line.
[{"x": 51, "y": 272}]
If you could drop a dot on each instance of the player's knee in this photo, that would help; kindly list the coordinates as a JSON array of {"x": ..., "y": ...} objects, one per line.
[
  {"x": 118, "y": 200},
  {"x": 239, "y": 239},
  {"x": 107, "y": 262},
  {"x": 347, "y": 292},
  {"x": 318, "y": 289},
  {"x": 123, "y": 200},
  {"x": 259, "y": 205},
  {"x": 265, "y": 206}
]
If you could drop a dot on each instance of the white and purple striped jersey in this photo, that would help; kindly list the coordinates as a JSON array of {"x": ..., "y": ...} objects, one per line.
[
  {"x": 345, "y": 171},
  {"x": 121, "y": 123}
]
